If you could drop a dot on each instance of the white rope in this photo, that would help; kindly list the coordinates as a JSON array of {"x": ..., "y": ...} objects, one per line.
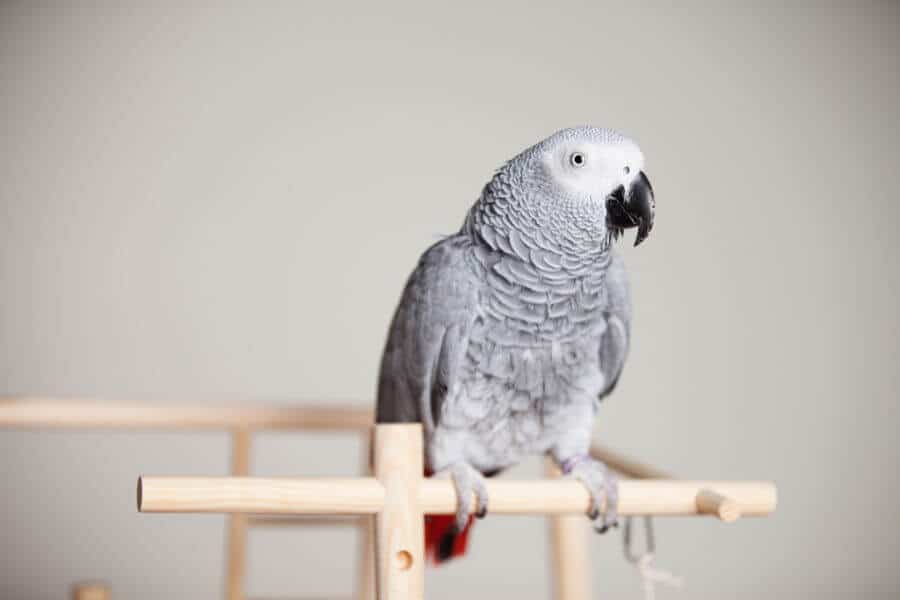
[
  {"x": 651, "y": 575},
  {"x": 643, "y": 562}
]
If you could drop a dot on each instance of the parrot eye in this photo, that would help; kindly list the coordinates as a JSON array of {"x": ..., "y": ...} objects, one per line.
[
  {"x": 627, "y": 170},
  {"x": 577, "y": 159}
]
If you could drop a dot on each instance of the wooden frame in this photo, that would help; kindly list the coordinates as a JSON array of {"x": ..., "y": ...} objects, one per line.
[
  {"x": 91, "y": 591},
  {"x": 399, "y": 496},
  {"x": 388, "y": 508},
  {"x": 242, "y": 421}
]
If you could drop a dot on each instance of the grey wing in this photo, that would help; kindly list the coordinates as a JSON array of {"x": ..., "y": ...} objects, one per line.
[
  {"x": 616, "y": 339},
  {"x": 428, "y": 335}
]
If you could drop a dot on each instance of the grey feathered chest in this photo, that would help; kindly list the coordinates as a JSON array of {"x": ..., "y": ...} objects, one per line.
[{"x": 531, "y": 369}]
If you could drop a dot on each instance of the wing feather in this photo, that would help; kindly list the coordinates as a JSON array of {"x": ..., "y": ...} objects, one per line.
[
  {"x": 616, "y": 338},
  {"x": 429, "y": 334}
]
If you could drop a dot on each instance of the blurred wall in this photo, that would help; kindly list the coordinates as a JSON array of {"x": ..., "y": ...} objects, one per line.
[{"x": 222, "y": 203}]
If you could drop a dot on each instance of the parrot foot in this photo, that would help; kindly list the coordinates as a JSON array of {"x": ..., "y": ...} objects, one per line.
[
  {"x": 603, "y": 487},
  {"x": 467, "y": 480}
]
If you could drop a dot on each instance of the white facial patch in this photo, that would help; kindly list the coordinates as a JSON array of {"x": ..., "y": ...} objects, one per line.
[{"x": 593, "y": 170}]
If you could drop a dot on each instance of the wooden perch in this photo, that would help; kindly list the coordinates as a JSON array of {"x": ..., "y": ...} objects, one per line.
[
  {"x": 709, "y": 502},
  {"x": 365, "y": 495},
  {"x": 399, "y": 497}
]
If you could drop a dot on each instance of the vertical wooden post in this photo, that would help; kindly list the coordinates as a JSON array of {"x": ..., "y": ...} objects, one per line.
[
  {"x": 365, "y": 580},
  {"x": 91, "y": 591},
  {"x": 570, "y": 560},
  {"x": 237, "y": 523},
  {"x": 400, "y": 526}
]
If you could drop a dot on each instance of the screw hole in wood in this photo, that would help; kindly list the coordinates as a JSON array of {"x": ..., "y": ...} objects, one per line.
[{"x": 403, "y": 560}]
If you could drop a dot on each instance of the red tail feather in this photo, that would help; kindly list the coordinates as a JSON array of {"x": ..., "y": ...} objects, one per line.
[{"x": 442, "y": 540}]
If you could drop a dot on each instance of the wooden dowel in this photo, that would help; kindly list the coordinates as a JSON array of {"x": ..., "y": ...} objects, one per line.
[
  {"x": 713, "y": 503},
  {"x": 237, "y": 523},
  {"x": 626, "y": 466},
  {"x": 365, "y": 578},
  {"x": 305, "y": 521},
  {"x": 36, "y": 413},
  {"x": 636, "y": 497},
  {"x": 570, "y": 553},
  {"x": 313, "y": 496},
  {"x": 91, "y": 591},
  {"x": 365, "y": 495},
  {"x": 708, "y": 501},
  {"x": 400, "y": 525}
]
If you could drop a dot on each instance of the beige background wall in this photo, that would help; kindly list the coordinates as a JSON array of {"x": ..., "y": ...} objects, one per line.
[{"x": 223, "y": 203}]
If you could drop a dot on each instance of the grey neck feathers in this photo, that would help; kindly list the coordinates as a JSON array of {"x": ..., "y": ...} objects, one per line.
[
  {"x": 525, "y": 217},
  {"x": 545, "y": 261}
]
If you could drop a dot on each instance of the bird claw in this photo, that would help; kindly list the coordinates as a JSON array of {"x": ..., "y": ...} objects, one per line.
[
  {"x": 603, "y": 486},
  {"x": 467, "y": 481}
]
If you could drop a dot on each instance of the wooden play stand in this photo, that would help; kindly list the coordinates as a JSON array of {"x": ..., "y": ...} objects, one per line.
[{"x": 396, "y": 498}]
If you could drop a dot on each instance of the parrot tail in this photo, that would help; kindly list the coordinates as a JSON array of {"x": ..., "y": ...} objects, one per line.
[{"x": 442, "y": 539}]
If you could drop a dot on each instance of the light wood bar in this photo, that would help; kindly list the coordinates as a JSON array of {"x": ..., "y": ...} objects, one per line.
[
  {"x": 626, "y": 466},
  {"x": 710, "y": 502},
  {"x": 400, "y": 524},
  {"x": 259, "y": 495},
  {"x": 305, "y": 521},
  {"x": 237, "y": 523},
  {"x": 365, "y": 580},
  {"x": 365, "y": 495},
  {"x": 91, "y": 591},
  {"x": 569, "y": 552},
  {"x": 664, "y": 497},
  {"x": 50, "y": 413},
  {"x": 365, "y": 567}
]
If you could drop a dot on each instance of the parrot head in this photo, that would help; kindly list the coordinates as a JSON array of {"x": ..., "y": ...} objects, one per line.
[{"x": 583, "y": 182}]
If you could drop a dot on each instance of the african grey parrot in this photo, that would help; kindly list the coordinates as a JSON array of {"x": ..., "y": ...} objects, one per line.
[{"x": 510, "y": 332}]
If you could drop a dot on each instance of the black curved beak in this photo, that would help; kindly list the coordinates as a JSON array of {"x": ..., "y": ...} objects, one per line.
[{"x": 633, "y": 207}]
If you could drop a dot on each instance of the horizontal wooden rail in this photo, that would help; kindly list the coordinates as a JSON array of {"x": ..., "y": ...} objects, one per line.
[
  {"x": 708, "y": 502},
  {"x": 626, "y": 466},
  {"x": 38, "y": 413},
  {"x": 366, "y": 496},
  {"x": 306, "y": 521},
  {"x": 259, "y": 495}
]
